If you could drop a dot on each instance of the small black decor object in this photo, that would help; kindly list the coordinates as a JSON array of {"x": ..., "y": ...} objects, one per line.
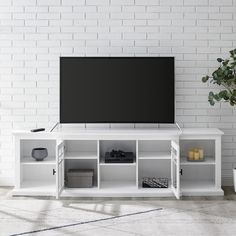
[
  {"x": 37, "y": 130},
  {"x": 155, "y": 182},
  {"x": 39, "y": 154},
  {"x": 119, "y": 156}
]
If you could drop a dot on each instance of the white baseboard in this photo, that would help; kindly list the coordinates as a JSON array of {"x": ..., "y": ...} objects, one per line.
[{"x": 6, "y": 181}]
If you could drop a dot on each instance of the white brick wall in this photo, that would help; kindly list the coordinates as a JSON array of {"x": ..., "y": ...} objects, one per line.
[{"x": 34, "y": 33}]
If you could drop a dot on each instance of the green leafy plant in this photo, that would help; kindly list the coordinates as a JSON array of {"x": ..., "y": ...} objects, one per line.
[{"x": 225, "y": 77}]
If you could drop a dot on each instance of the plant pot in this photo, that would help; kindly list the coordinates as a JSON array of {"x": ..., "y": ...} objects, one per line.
[
  {"x": 234, "y": 175},
  {"x": 39, "y": 153}
]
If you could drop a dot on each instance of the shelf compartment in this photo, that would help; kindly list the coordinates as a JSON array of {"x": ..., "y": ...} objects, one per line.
[
  {"x": 154, "y": 155},
  {"x": 82, "y": 164},
  {"x": 154, "y": 168},
  {"x": 154, "y": 149},
  {"x": 85, "y": 155},
  {"x": 207, "y": 161},
  {"x": 80, "y": 149},
  {"x": 26, "y": 147},
  {"x": 30, "y": 161},
  {"x": 124, "y": 145},
  {"x": 208, "y": 147},
  {"x": 118, "y": 173}
]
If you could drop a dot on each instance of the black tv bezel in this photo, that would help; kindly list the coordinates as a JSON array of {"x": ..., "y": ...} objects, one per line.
[{"x": 120, "y": 122}]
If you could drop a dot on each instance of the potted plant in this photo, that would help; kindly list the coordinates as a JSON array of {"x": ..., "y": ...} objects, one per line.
[{"x": 225, "y": 77}]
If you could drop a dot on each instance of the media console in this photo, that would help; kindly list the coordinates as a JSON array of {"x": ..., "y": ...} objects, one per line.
[{"x": 158, "y": 152}]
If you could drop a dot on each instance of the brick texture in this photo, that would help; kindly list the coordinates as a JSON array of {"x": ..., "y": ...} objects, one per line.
[{"x": 35, "y": 33}]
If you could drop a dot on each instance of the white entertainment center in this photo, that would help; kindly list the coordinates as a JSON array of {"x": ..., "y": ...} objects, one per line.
[{"x": 159, "y": 152}]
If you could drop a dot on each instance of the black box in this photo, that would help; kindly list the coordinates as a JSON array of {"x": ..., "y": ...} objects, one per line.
[
  {"x": 128, "y": 157},
  {"x": 155, "y": 182}
]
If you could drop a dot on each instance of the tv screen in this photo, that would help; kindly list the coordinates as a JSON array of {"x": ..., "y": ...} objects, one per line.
[{"x": 117, "y": 90}]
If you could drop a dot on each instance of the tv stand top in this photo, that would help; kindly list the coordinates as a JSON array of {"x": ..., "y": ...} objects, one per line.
[
  {"x": 118, "y": 133},
  {"x": 165, "y": 133}
]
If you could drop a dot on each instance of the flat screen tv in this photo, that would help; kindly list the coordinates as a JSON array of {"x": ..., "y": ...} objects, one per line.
[{"x": 117, "y": 90}]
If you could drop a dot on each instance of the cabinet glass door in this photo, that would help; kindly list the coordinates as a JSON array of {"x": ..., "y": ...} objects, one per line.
[
  {"x": 175, "y": 168},
  {"x": 60, "y": 168}
]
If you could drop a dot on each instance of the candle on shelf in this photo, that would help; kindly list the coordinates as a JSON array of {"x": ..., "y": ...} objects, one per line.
[
  {"x": 201, "y": 154},
  {"x": 191, "y": 155},
  {"x": 196, "y": 155}
]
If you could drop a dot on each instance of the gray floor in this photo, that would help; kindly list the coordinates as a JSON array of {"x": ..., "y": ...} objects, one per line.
[{"x": 190, "y": 216}]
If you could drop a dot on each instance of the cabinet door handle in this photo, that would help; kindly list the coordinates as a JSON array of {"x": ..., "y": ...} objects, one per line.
[
  {"x": 181, "y": 171},
  {"x": 53, "y": 171}
]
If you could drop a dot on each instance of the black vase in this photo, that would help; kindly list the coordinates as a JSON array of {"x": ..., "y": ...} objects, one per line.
[{"x": 39, "y": 154}]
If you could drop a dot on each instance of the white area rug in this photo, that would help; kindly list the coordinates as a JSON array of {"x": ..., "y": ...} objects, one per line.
[
  {"x": 19, "y": 216},
  {"x": 193, "y": 218}
]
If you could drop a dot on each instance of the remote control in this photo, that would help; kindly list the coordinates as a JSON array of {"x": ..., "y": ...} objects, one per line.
[{"x": 38, "y": 130}]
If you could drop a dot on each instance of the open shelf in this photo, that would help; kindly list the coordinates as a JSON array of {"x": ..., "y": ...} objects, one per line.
[
  {"x": 109, "y": 145},
  {"x": 208, "y": 147},
  {"x": 80, "y": 149},
  {"x": 82, "y": 164},
  {"x": 81, "y": 155},
  {"x": 26, "y": 147},
  {"x": 154, "y": 155},
  {"x": 207, "y": 161},
  {"x": 154, "y": 149},
  {"x": 154, "y": 168},
  {"x": 115, "y": 176},
  {"x": 31, "y": 161}
]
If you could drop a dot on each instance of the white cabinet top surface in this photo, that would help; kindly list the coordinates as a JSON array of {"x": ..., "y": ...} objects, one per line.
[
  {"x": 201, "y": 131},
  {"x": 98, "y": 133},
  {"x": 134, "y": 133}
]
